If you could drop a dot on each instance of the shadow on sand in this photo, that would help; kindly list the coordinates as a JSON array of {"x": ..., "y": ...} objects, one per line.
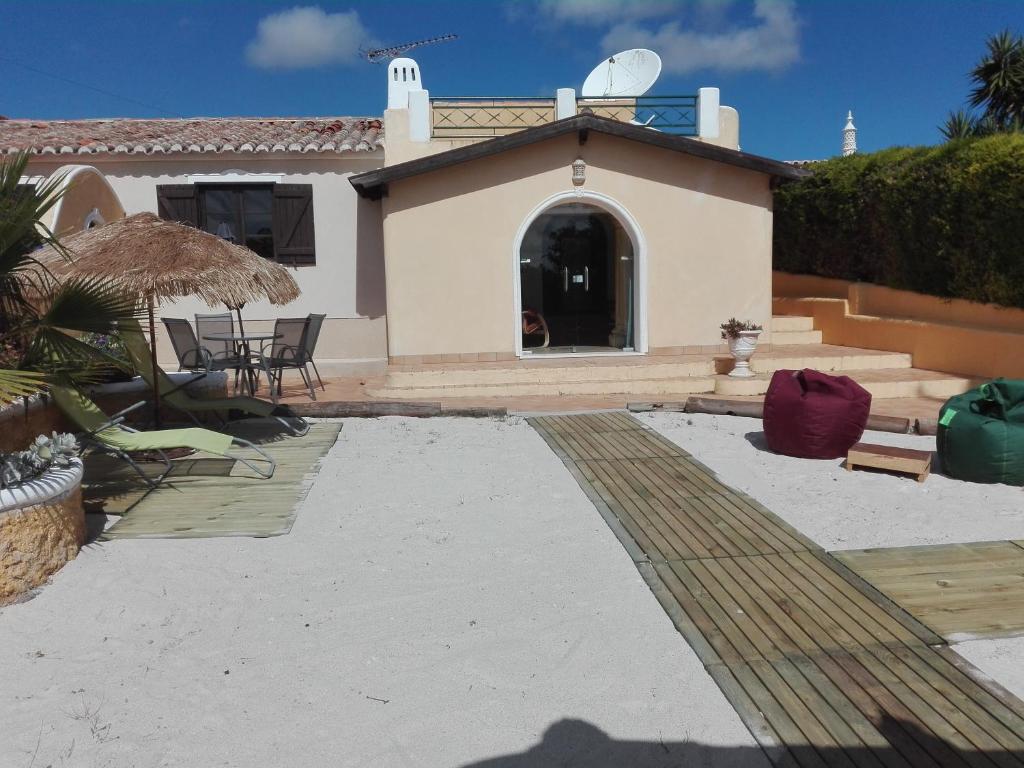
[
  {"x": 758, "y": 440},
  {"x": 578, "y": 744}
]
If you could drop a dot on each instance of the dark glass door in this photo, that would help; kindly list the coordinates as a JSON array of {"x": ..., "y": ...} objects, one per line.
[{"x": 567, "y": 280}]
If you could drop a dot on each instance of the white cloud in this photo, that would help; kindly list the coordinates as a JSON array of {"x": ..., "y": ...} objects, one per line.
[
  {"x": 771, "y": 43},
  {"x": 601, "y": 12},
  {"x": 306, "y": 37}
]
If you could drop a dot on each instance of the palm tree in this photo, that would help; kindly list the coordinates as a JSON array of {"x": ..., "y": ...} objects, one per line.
[
  {"x": 999, "y": 81},
  {"x": 41, "y": 318},
  {"x": 998, "y": 92}
]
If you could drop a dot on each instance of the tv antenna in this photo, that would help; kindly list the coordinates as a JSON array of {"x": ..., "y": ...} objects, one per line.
[{"x": 375, "y": 55}]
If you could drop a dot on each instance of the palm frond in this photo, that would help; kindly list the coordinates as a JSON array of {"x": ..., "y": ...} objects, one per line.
[
  {"x": 959, "y": 125},
  {"x": 66, "y": 357},
  {"x": 15, "y": 384},
  {"x": 88, "y": 304}
]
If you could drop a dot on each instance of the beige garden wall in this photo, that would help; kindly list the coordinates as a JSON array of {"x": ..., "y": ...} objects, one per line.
[
  {"x": 953, "y": 335},
  {"x": 449, "y": 242},
  {"x": 347, "y": 282}
]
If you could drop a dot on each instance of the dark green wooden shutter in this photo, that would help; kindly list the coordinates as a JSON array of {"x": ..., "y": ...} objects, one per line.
[
  {"x": 178, "y": 202},
  {"x": 294, "y": 236}
]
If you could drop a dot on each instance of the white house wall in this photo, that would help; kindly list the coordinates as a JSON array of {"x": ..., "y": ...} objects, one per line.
[{"x": 347, "y": 282}]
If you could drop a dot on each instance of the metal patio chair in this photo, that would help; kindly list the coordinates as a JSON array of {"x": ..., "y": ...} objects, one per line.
[
  {"x": 312, "y": 335},
  {"x": 224, "y": 354},
  {"x": 288, "y": 350},
  {"x": 192, "y": 356}
]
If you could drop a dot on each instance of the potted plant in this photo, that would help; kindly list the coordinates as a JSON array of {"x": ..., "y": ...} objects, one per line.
[{"x": 742, "y": 337}]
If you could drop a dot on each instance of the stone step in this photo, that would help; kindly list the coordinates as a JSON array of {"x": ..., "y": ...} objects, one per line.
[
  {"x": 621, "y": 374},
  {"x": 551, "y": 371},
  {"x": 785, "y": 323},
  {"x": 796, "y": 337},
  {"x": 824, "y": 358},
  {"x": 679, "y": 386},
  {"x": 882, "y": 383}
]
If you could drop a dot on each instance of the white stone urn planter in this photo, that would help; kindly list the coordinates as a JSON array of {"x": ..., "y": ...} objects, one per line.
[
  {"x": 42, "y": 527},
  {"x": 742, "y": 347}
]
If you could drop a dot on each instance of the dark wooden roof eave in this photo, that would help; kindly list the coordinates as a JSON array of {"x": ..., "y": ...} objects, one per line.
[{"x": 373, "y": 184}]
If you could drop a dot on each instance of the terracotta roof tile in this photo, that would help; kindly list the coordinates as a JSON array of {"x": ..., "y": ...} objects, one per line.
[{"x": 200, "y": 134}]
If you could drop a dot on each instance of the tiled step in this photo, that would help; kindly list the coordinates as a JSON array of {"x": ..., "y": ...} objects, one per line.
[
  {"x": 791, "y": 323},
  {"x": 682, "y": 385},
  {"x": 614, "y": 375},
  {"x": 882, "y": 383},
  {"x": 549, "y": 371},
  {"x": 825, "y": 357}
]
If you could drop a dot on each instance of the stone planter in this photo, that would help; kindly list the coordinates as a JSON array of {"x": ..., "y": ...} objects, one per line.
[
  {"x": 742, "y": 348},
  {"x": 42, "y": 527}
]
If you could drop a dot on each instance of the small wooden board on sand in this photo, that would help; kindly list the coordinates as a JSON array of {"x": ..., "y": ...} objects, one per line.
[{"x": 890, "y": 459}]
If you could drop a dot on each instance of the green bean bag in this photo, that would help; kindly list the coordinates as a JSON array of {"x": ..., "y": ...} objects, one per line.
[{"x": 981, "y": 434}]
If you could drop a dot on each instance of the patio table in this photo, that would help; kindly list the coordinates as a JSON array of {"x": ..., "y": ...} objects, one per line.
[{"x": 248, "y": 367}]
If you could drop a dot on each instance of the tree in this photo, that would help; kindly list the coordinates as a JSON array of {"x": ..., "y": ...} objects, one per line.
[
  {"x": 999, "y": 81},
  {"x": 998, "y": 92},
  {"x": 41, "y": 318}
]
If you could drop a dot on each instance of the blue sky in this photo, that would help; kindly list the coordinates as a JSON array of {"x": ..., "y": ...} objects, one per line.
[{"x": 791, "y": 68}]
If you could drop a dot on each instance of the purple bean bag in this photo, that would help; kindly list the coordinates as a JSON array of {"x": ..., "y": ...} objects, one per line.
[{"x": 812, "y": 415}]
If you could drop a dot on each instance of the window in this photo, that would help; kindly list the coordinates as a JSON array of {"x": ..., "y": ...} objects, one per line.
[
  {"x": 274, "y": 220},
  {"x": 242, "y": 214}
]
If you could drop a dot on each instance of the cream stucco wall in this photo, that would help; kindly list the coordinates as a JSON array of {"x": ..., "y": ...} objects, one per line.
[
  {"x": 85, "y": 194},
  {"x": 347, "y": 282},
  {"x": 449, "y": 243}
]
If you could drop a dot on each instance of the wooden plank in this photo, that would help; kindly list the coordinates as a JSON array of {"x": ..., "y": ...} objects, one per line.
[
  {"x": 890, "y": 459},
  {"x": 823, "y": 668},
  {"x": 336, "y": 409},
  {"x": 723, "y": 407},
  {"x": 959, "y": 590}
]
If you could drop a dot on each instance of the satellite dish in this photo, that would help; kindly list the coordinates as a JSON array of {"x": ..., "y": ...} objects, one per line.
[{"x": 630, "y": 73}]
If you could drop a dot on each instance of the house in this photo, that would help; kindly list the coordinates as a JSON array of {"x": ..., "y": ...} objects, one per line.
[{"x": 468, "y": 230}]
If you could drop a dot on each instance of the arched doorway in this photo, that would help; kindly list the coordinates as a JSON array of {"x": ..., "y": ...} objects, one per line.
[{"x": 577, "y": 282}]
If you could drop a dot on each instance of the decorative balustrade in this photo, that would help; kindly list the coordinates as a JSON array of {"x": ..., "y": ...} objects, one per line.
[
  {"x": 477, "y": 116},
  {"x": 473, "y": 116}
]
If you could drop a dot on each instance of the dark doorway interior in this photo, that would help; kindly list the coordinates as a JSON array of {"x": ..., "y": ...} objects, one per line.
[{"x": 576, "y": 278}]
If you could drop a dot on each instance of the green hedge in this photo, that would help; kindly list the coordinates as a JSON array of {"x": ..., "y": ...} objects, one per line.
[{"x": 945, "y": 220}]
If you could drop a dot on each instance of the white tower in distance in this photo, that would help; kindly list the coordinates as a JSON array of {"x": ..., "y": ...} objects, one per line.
[{"x": 849, "y": 136}]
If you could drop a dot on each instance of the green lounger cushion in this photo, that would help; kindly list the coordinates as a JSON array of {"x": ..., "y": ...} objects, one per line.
[
  {"x": 90, "y": 418},
  {"x": 138, "y": 350},
  {"x": 981, "y": 434}
]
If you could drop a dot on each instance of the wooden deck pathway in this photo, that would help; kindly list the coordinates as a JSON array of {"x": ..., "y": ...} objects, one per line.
[
  {"x": 823, "y": 669},
  {"x": 962, "y": 591}
]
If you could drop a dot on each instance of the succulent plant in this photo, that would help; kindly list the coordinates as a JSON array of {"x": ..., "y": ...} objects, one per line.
[
  {"x": 21, "y": 466},
  {"x": 732, "y": 328}
]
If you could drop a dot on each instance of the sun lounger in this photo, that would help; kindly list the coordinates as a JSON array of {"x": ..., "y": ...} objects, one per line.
[
  {"x": 176, "y": 397},
  {"x": 111, "y": 435}
]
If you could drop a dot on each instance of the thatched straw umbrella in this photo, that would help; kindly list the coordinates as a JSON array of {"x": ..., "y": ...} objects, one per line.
[{"x": 158, "y": 260}]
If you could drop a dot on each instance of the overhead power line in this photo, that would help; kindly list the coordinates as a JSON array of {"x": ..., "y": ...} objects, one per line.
[{"x": 87, "y": 86}]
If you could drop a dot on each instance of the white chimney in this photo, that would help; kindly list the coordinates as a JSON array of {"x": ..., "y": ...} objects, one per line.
[
  {"x": 849, "y": 136},
  {"x": 403, "y": 77}
]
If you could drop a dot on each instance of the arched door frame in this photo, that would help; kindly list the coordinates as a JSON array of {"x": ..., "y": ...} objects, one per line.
[{"x": 636, "y": 236}]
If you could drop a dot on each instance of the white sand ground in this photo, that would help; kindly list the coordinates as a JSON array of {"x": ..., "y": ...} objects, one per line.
[
  {"x": 859, "y": 510},
  {"x": 847, "y": 510},
  {"x": 447, "y": 597}
]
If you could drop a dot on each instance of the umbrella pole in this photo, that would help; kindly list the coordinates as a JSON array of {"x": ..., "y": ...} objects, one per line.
[{"x": 152, "y": 350}]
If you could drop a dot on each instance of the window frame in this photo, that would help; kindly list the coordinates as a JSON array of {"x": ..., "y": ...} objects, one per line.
[{"x": 237, "y": 188}]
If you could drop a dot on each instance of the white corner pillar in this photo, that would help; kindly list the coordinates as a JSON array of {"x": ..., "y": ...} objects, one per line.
[
  {"x": 708, "y": 101},
  {"x": 419, "y": 116},
  {"x": 565, "y": 103}
]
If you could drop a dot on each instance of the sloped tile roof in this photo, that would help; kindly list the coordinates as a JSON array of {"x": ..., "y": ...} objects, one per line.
[{"x": 200, "y": 134}]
